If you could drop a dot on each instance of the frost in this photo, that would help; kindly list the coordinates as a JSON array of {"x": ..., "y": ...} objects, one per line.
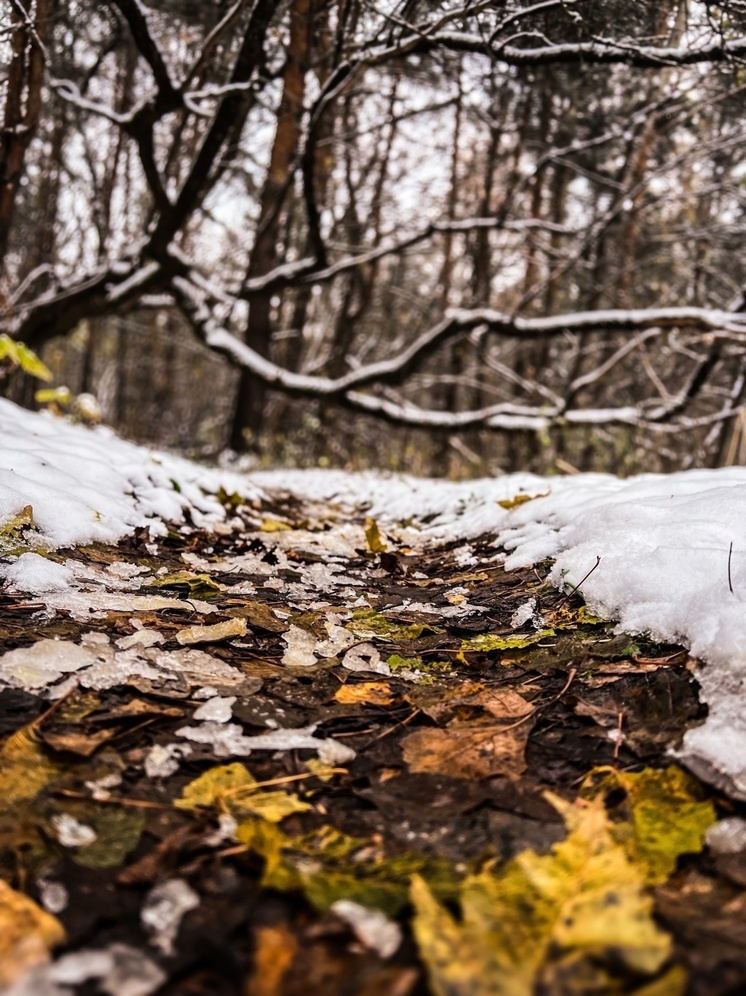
[
  {"x": 229, "y": 740},
  {"x": 210, "y": 634},
  {"x": 119, "y": 970},
  {"x": 371, "y": 927},
  {"x": 525, "y": 613},
  {"x": 339, "y": 639},
  {"x": 163, "y": 910},
  {"x": 226, "y": 739},
  {"x": 226, "y": 831},
  {"x": 99, "y": 788}
]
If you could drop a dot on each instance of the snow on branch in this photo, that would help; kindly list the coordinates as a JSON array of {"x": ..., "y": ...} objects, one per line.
[
  {"x": 597, "y": 52},
  {"x": 195, "y": 301}
]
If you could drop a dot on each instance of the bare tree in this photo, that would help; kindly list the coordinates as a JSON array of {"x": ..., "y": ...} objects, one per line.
[{"x": 524, "y": 218}]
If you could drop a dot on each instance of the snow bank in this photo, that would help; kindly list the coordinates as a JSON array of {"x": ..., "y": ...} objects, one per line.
[
  {"x": 663, "y": 554},
  {"x": 88, "y": 484}
]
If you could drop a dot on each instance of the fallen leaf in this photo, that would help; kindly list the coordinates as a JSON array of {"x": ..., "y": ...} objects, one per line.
[
  {"x": 24, "y": 767},
  {"x": 82, "y": 744},
  {"x": 232, "y": 788},
  {"x": 660, "y": 816},
  {"x": 274, "y": 526},
  {"x": 275, "y": 950},
  {"x": 373, "y": 537},
  {"x": 365, "y": 693},
  {"x": 27, "y": 934},
  {"x": 117, "y": 828},
  {"x": 468, "y": 749},
  {"x": 198, "y": 585},
  {"x": 583, "y": 904},
  {"x": 474, "y": 752},
  {"x": 521, "y": 499},
  {"x": 212, "y": 634},
  {"x": 260, "y": 616}
]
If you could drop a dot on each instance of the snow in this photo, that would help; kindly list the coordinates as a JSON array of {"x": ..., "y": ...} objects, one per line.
[
  {"x": 662, "y": 554},
  {"x": 88, "y": 484}
]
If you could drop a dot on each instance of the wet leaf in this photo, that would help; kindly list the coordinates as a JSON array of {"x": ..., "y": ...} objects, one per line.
[
  {"x": 260, "y": 616},
  {"x": 232, "y": 788},
  {"x": 27, "y": 934},
  {"x": 198, "y": 585},
  {"x": 473, "y": 752},
  {"x": 467, "y": 749},
  {"x": 19, "y": 355},
  {"x": 585, "y": 901},
  {"x": 118, "y": 830},
  {"x": 660, "y": 817},
  {"x": 328, "y": 865},
  {"x": 77, "y": 742},
  {"x": 486, "y": 642}
]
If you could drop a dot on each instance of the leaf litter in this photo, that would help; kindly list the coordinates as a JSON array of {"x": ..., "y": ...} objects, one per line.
[{"x": 452, "y": 778}]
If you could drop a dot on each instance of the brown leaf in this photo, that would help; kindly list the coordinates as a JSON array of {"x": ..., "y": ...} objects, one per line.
[
  {"x": 473, "y": 752},
  {"x": 260, "y": 616},
  {"x": 82, "y": 744},
  {"x": 276, "y": 948},
  {"x": 136, "y": 709},
  {"x": 468, "y": 701}
]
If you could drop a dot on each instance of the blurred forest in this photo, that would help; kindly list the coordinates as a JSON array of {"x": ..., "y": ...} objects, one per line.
[{"x": 454, "y": 238}]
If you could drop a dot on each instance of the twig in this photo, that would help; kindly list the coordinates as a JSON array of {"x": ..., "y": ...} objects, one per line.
[
  {"x": 241, "y": 789},
  {"x": 730, "y": 576},
  {"x": 574, "y": 587}
]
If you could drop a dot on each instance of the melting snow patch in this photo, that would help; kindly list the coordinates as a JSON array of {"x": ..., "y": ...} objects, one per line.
[
  {"x": 372, "y": 928},
  {"x": 119, "y": 970},
  {"x": 163, "y": 910},
  {"x": 217, "y": 709},
  {"x": 162, "y": 761},
  {"x": 71, "y": 833},
  {"x": 36, "y": 575}
]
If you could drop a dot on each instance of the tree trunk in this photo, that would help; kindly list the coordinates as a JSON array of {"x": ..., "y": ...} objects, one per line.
[{"x": 251, "y": 396}]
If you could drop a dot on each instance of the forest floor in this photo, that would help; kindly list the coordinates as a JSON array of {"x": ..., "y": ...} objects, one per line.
[{"x": 418, "y": 773}]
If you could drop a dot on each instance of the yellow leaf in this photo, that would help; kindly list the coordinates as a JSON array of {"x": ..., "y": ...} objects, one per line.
[
  {"x": 274, "y": 526},
  {"x": 61, "y": 396},
  {"x": 660, "y": 816},
  {"x": 27, "y": 933},
  {"x": 508, "y": 503},
  {"x": 365, "y": 692},
  {"x": 273, "y": 806},
  {"x": 232, "y": 788},
  {"x": 24, "y": 767},
  {"x": 585, "y": 903},
  {"x": 373, "y": 537},
  {"x": 21, "y": 356}
]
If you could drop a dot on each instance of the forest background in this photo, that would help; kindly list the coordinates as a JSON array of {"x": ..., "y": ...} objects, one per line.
[{"x": 458, "y": 238}]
